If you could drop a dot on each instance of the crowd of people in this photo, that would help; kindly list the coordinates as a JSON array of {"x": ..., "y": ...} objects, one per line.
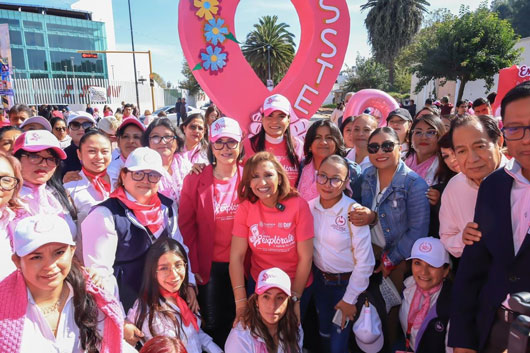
[{"x": 371, "y": 234}]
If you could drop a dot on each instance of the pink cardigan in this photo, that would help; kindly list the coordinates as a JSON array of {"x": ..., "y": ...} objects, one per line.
[{"x": 14, "y": 302}]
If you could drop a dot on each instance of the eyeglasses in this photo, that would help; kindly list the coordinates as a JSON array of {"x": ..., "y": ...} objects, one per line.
[
  {"x": 35, "y": 159},
  {"x": 334, "y": 182},
  {"x": 515, "y": 133},
  {"x": 60, "y": 128},
  {"x": 164, "y": 139},
  {"x": 428, "y": 134},
  {"x": 139, "y": 175},
  {"x": 8, "y": 183},
  {"x": 386, "y": 147},
  {"x": 219, "y": 145},
  {"x": 168, "y": 270},
  {"x": 74, "y": 125}
]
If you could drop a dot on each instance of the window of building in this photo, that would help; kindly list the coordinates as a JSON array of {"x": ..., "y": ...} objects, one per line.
[
  {"x": 37, "y": 60},
  {"x": 38, "y": 75},
  {"x": 34, "y": 39},
  {"x": 32, "y": 25},
  {"x": 11, "y": 22},
  {"x": 67, "y": 42},
  {"x": 17, "y": 55},
  {"x": 15, "y": 37}
]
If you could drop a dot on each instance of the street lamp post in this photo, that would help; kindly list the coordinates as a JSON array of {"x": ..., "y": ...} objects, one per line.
[
  {"x": 134, "y": 58},
  {"x": 73, "y": 79}
]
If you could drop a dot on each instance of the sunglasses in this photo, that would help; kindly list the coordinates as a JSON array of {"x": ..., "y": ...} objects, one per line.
[
  {"x": 60, "y": 129},
  {"x": 387, "y": 147},
  {"x": 74, "y": 125}
]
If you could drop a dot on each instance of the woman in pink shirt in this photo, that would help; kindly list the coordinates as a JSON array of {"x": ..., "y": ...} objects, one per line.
[
  {"x": 163, "y": 137},
  {"x": 195, "y": 139},
  {"x": 275, "y": 136},
  {"x": 276, "y": 225},
  {"x": 422, "y": 155},
  {"x": 207, "y": 208}
]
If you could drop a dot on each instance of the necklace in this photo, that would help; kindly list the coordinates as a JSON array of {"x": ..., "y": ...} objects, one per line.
[{"x": 46, "y": 311}]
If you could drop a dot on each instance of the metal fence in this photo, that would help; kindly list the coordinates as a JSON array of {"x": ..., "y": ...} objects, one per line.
[{"x": 70, "y": 91}]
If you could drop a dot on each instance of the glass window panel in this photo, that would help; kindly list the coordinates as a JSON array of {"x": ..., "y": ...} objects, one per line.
[
  {"x": 10, "y": 22},
  {"x": 32, "y": 24},
  {"x": 62, "y": 61},
  {"x": 38, "y": 75},
  {"x": 37, "y": 60},
  {"x": 67, "y": 42},
  {"x": 15, "y": 37},
  {"x": 17, "y": 55},
  {"x": 34, "y": 39}
]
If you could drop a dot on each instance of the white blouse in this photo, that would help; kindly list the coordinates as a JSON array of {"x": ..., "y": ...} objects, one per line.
[
  {"x": 7, "y": 266},
  {"x": 240, "y": 340},
  {"x": 194, "y": 341}
]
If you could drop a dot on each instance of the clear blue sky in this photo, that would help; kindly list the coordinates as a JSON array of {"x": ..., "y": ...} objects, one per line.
[{"x": 155, "y": 26}]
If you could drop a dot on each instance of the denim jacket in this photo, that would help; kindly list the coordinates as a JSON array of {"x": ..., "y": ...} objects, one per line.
[{"x": 403, "y": 209}]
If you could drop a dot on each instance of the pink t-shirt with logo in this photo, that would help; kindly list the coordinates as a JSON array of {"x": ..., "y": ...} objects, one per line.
[
  {"x": 224, "y": 209},
  {"x": 272, "y": 234}
]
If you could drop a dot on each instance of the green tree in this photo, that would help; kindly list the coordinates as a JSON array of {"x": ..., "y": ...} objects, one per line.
[
  {"x": 515, "y": 11},
  {"x": 470, "y": 46},
  {"x": 367, "y": 73},
  {"x": 158, "y": 79},
  {"x": 391, "y": 26},
  {"x": 269, "y": 38},
  {"x": 190, "y": 82}
]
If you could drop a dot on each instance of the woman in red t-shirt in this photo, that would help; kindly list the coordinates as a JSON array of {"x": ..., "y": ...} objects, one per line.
[
  {"x": 275, "y": 224},
  {"x": 208, "y": 204}
]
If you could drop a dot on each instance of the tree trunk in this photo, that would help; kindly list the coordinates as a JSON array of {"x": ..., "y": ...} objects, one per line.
[
  {"x": 463, "y": 82},
  {"x": 391, "y": 74}
]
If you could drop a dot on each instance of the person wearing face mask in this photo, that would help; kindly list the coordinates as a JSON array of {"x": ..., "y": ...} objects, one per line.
[
  {"x": 271, "y": 323},
  {"x": 493, "y": 269},
  {"x": 206, "y": 217},
  {"x": 42, "y": 192},
  {"x": 395, "y": 206},
  {"x": 477, "y": 142},
  {"x": 425, "y": 309},
  {"x": 10, "y": 184},
  {"x": 275, "y": 136},
  {"x": 343, "y": 257},
  {"x": 118, "y": 232}
]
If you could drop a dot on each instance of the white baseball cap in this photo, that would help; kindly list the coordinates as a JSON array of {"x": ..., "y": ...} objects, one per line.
[
  {"x": 273, "y": 278},
  {"x": 276, "y": 102},
  {"x": 33, "y": 232},
  {"x": 80, "y": 115},
  {"x": 38, "y": 140},
  {"x": 109, "y": 125},
  {"x": 37, "y": 120},
  {"x": 368, "y": 330},
  {"x": 144, "y": 158},
  {"x": 430, "y": 250},
  {"x": 225, "y": 127}
]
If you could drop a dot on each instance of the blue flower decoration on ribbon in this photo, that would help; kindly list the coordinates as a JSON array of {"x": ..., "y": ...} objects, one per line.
[
  {"x": 214, "y": 59},
  {"x": 214, "y": 31}
]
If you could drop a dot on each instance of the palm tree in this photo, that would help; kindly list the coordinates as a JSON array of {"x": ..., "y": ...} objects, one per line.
[
  {"x": 269, "y": 38},
  {"x": 391, "y": 26}
]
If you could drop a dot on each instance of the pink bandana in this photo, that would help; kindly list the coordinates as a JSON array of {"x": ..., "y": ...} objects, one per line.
[{"x": 421, "y": 303}]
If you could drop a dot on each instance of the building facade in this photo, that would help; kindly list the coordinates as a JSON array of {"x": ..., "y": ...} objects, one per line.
[{"x": 45, "y": 42}]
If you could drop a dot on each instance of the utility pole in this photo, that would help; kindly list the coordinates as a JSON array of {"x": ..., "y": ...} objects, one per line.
[{"x": 134, "y": 59}]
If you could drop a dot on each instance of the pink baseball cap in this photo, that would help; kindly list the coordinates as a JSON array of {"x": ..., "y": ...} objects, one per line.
[
  {"x": 225, "y": 127},
  {"x": 133, "y": 121},
  {"x": 276, "y": 102},
  {"x": 38, "y": 140},
  {"x": 37, "y": 120},
  {"x": 273, "y": 278}
]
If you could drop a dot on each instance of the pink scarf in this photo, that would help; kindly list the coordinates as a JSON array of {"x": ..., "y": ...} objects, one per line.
[
  {"x": 419, "y": 307},
  {"x": 149, "y": 215},
  {"x": 307, "y": 186},
  {"x": 187, "y": 316},
  {"x": 422, "y": 168},
  {"x": 14, "y": 304},
  {"x": 98, "y": 182}
]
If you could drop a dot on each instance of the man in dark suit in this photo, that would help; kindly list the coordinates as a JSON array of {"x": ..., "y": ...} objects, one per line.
[{"x": 498, "y": 263}]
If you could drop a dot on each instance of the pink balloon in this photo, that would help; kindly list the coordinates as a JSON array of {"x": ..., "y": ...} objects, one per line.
[{"x": 371, "y": 98}]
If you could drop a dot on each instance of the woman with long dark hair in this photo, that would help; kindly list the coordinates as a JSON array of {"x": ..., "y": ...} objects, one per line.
[
  {"x": 271, "y": 323},
  {"x": 49, "y": 304},
  {"x": 161, "y": 308},
  {"x": 212, "y": 114},
  {"x": 275, "y": 136},
  {"x": 43, "y": 192},
  {"x": 195, "y": 132},
  {"x": 206, "y": 217}
]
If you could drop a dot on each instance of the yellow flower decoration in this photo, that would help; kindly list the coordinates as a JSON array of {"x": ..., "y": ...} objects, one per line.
[{"x": 207, "y": 8}]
